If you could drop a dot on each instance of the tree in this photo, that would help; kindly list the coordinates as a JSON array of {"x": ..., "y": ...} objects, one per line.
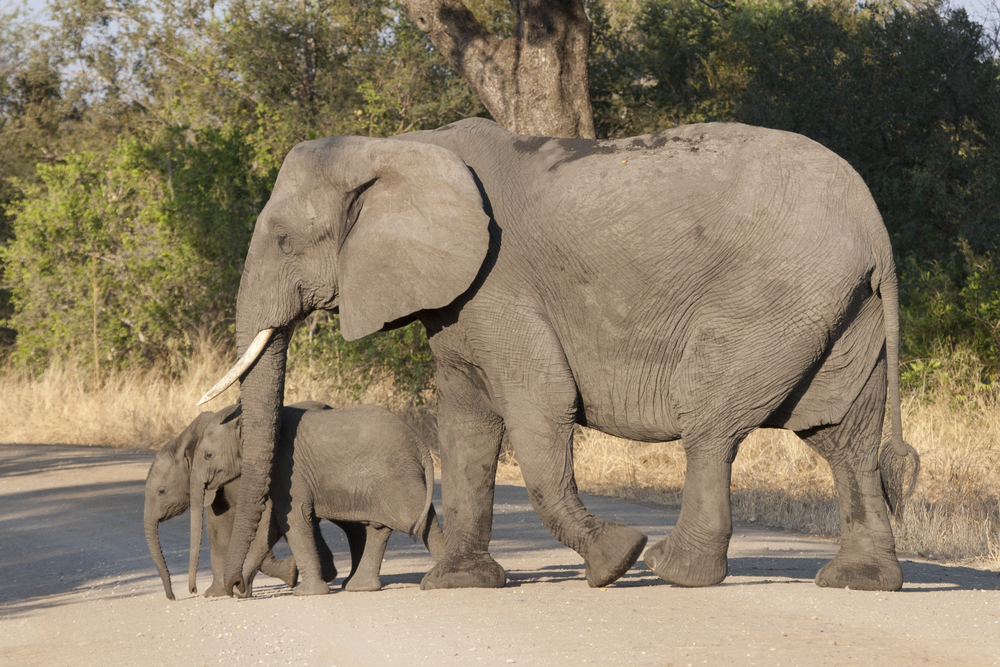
[
  {"x": 127, "y": 255},
  {"x": 535, "y": 80},
  {"x": 133, "y": 248}
]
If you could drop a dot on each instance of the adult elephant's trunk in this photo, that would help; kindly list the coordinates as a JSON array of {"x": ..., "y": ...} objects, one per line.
[
  {"x": 152, "y": 524},
  {"x": 197, "y": 519},
  {"x": 262, "y": 394}
]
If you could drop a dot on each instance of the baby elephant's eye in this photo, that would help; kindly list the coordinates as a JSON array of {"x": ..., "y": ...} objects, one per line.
[
  {"x": 162, "y": 492},
  {"x": 208, "y": 456}
]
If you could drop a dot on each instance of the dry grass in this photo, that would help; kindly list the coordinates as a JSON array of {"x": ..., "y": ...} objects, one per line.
[
  {"x": 777, "y": 481},
  {"x": 146, "y": 408},
  {"x": 954, "y": 513}
]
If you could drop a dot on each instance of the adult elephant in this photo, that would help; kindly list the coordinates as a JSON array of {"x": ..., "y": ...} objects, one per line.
[{"x": 696, "y": 283}]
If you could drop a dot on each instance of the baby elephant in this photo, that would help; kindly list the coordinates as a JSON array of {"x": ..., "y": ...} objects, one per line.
[
  {"x": 168, "y": 495},
  {"x": 361, "y": 467}
]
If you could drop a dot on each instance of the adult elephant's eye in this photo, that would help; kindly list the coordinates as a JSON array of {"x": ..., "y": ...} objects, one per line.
[
  {"x": 208, "y": 456},
  {"x": 284, "y": 243}
]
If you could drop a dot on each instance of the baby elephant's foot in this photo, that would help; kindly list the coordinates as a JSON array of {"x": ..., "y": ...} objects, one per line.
[
  {"x": 686, "y": 566},
  {"x": 613, "y": 550},
  {"x": 871, "y": 574},
  {"x": 312, "y": 587},
  {"x": 477, "y": 570},
  {"x": 286, "y": 570}
]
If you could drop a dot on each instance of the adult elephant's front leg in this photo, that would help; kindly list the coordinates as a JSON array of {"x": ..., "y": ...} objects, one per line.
[{"x": 469, "y": 434}]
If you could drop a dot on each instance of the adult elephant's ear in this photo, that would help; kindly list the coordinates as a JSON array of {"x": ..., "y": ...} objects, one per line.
[{"x": 416, "y": 235}]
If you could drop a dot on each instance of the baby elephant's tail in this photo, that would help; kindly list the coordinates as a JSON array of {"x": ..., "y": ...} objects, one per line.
[{"x": 420, "y": 526}]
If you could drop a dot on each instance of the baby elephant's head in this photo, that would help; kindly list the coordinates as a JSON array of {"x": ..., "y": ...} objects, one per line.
[{"x": 217, "y": 460}]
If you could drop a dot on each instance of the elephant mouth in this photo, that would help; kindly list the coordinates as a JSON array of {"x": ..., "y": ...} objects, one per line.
[{"x": 240, "y": 367}]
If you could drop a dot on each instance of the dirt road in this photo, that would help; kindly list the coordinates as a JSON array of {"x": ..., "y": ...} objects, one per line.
[{"x": 77, "y": 587}]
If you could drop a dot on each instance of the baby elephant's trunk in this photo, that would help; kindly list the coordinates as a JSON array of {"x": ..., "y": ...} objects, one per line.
[
  {"x": 197, "y": 517},
  {"x": 152, "y": 525}
]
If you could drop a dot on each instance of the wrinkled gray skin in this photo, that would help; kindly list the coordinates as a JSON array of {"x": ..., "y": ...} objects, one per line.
[
  {"x": 219, "y": 518},
  {"x": 168, "y": 495},
  {"x": 696, "y": 283},
  {"x": 361, "y": 467}
]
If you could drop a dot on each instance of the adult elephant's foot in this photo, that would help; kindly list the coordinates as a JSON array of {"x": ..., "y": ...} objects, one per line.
[
  {"x": 477, "y": 570},
  {"x": 866, "y": 573},
  {"x": 216, "y": 590},
  {"x": 356, "y": 584},
  {"x": 685, "y": 566},
  {"x": 613, "y": 549},
  {"x": 312, "y": 587}
]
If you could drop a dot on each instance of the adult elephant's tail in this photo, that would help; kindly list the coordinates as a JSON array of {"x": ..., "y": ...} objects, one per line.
[{"x": 899, "y": 464}]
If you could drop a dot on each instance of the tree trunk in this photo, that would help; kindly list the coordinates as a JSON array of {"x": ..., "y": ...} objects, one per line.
[{"x": 534, "y": 82}]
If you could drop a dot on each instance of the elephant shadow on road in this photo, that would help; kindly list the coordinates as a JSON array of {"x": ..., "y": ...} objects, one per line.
[{"x": 918, "y": 575}]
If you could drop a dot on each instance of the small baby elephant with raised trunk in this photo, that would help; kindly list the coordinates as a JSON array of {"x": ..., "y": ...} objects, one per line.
[
  {"x": 168, "y": 495},
  {"x": 361, "y": 467}
]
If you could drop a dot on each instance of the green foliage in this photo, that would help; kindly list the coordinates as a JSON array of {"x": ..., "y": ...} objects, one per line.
[
  {"x": 648, "y": 67},
  {"x": 205, "y": 98},
  {"x": 149, "y": 240},
  {"x": 950, "y": 306},
  {"x": 401, "y": 356}
]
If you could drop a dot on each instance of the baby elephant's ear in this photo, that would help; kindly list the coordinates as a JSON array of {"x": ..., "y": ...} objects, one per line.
[
  {"x": 188, "y": 440},
  {"x": 232, "y": 418},
  {"x": 419, "y": 238}
]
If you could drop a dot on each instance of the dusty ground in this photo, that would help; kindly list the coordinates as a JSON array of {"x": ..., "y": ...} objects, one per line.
[{"x": 77, "y": 587}]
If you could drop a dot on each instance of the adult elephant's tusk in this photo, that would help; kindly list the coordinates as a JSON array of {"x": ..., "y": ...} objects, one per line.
[{"x": 240, "y": 367}]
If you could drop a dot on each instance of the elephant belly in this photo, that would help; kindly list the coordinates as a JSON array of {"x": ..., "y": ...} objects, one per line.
[
  {"x": 825, "y": 395},
  {"x": 626, "y": 406}
]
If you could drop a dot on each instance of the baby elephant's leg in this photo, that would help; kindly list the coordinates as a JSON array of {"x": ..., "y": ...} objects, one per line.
[
  {"x": 432, "y": 536},
  {"x": 284, "y": 569},
  {"x": 328, "y": 571},
  {"x": 357, "y": 536},
  {"x": 365, "y": 575},
  {"x": 302, "y": 540}
]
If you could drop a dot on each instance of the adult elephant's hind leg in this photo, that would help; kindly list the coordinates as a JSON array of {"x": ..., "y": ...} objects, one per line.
[
  {"x": 469, "y": 437},
  {"x": 695, "y": 553},
  {"x": 867, "y": 558}
]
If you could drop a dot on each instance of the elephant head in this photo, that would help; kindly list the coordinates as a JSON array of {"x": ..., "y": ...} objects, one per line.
[
  {"x": 375, "y": 229},
  {"x": 167, "y": 489},
  {"x": 215, "y": 463}
]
